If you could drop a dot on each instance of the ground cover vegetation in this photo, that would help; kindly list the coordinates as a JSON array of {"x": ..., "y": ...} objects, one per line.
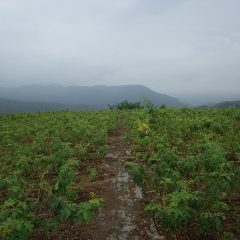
[
  {"x": 40, "y": 164},
  {"x": 186, "y": 161}
]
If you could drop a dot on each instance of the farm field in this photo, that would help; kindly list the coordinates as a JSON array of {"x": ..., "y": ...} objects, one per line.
[
  {"x": 41, "y": 165},
  {"x": 55, "y": 183},
  {"x": 187, "y": 161}
]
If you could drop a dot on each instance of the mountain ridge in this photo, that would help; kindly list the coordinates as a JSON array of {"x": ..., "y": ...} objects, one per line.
[
  {"x": 86, "y": 95},
  {"x": 226, "y": 104},
  {"x": 17, "y": 106}
]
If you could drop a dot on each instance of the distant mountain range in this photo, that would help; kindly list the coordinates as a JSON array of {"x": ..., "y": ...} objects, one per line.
[
  {"x": 226, "y": 104},
  {"x": 34, "y": 98},
  {"x": 223, "y": 104},
  {"x": 16, "y": 106}
]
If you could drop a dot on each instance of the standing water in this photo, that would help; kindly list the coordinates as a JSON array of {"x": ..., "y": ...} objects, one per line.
[{"x": 122, "y": 216}]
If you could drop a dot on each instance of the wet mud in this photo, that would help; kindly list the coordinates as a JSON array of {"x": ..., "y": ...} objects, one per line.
[{"x": 122, "y": 216}]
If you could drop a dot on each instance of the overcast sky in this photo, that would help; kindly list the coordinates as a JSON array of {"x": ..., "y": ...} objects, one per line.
[{"x": 171, "y": 46}]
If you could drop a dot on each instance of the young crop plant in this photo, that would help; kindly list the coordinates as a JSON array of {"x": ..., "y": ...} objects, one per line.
[
  {"x": 137, "y": 172},
  {"x": 40, "y": 162},
  {"x": 189, "y": 161}
]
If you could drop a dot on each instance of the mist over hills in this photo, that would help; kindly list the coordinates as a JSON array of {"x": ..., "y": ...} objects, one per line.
[
  {"x": 56, "y": 97},
  {"x": 200, "y": 99},
  {"x": 17, "y": 106},
  {"x": 32, "y": 98},
  {"x": 227, "y": 104}
]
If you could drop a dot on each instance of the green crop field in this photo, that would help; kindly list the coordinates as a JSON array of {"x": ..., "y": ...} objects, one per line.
[
  {"x": 40, "y": 157},
  {"x": 187, "y": 162}
]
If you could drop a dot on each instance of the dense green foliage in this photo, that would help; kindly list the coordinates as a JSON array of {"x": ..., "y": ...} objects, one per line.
[
  {"x": 39, "y": 179},
  {"x": 187, "y": 161},
  {"x": 127, "y": 105},
  {"x": 124, "y": 105}
]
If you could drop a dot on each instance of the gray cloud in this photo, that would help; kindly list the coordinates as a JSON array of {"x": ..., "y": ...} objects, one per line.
[{"x": 176, "y": 46}]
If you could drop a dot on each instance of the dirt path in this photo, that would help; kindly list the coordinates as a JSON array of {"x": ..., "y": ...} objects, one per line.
[{"x": 122, "y": 216}]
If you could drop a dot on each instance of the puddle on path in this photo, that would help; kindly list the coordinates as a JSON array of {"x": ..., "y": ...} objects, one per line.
[
  {"x": 122, "y": 217},
  {"x": 122, "y": 200}
]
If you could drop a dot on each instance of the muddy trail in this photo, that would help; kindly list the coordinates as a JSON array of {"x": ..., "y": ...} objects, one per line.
[{"x": 122, "y": 215}]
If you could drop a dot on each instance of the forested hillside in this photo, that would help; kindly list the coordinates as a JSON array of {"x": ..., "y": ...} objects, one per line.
[
  {"x": 227, "y": 104},
  {"x": 17, "y": 106}
]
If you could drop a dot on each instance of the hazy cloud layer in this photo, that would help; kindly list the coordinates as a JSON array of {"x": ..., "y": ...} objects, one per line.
[{"x": 177, "y": 46}]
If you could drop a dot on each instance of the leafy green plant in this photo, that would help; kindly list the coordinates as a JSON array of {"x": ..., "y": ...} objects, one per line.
[
  {"x": 190, "y": 160},
  {"x": 137, "y": 172},
  {"x": 92, "y": 173},
  {"x": 126, "y": 105},
  {"x": 41, "y": 157}
]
